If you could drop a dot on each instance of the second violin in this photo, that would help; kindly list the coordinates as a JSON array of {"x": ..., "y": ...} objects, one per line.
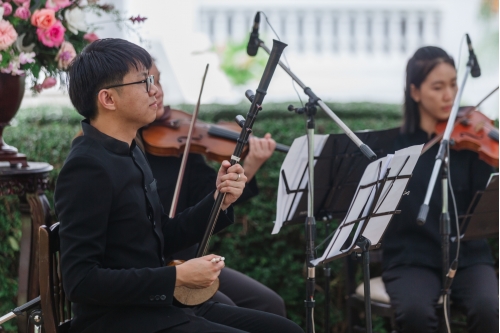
[{"x": 168, "y": 137}]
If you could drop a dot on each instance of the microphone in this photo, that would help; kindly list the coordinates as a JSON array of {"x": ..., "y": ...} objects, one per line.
[
  {"x": 253, "y": 42},
  {"x": 475, "y": 71}
]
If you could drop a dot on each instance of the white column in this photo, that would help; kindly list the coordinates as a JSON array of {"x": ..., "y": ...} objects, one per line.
[
  {"x": 378, "y": 33},
  {"x": 412, "y": 35},
  {"x": 334, "y": 45}
]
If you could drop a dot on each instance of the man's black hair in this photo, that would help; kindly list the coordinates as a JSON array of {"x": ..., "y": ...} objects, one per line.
[{"x": 102, "y": 63}]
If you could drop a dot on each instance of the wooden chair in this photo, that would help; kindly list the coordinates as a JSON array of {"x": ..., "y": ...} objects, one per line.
[{"x": 56, "y": 308}]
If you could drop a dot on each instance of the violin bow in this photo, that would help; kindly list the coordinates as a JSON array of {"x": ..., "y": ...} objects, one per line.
[
  {"x": 180, "y": 176},
  {"x": 438, "y": 138}
]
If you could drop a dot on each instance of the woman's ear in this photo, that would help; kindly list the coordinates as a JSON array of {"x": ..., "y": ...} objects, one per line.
[
  {"x": 106, "y": 99},
  {"x": 415, "y": 93}
]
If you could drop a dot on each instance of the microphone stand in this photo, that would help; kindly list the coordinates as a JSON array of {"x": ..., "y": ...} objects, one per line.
[
  {"x": 441, "y": 164},
  {"x": 310, "y": 222},
  {"x": 315, "y": 100},
  {"x": 35, "y": 317}
]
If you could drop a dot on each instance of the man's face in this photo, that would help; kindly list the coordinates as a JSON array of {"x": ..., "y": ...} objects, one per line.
[{"x": 135, "y": 104}]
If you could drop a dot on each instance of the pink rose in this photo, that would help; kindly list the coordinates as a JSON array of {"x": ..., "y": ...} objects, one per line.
[
  {"x": 8, "y": 34},
  {"x": 57, "y": 4},
  {"x": 7, "y": 9},
  {"x": 43, "y": 18},
  {"x": 90, "y": 37},
  {"x": 53, "y": 36},
  {"x": 49, "y": 82},
  {"x": 23, "y": 13},
  {"x": 65, "y": 55}
]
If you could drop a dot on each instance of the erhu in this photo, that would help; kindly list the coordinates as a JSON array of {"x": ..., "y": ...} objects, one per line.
[{"x": 188, "y": 296}]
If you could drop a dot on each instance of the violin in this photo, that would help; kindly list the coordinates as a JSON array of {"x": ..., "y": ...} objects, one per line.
[
  {"x": 168, "y": 135},
  {"x": 473, "y": 131}
]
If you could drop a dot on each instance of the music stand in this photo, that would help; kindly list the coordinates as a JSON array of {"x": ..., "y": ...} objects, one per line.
[
  {"x": 339, "y": 166},
  {"x": 481, "y": 219},
  {"x": 375, "y": 201}
]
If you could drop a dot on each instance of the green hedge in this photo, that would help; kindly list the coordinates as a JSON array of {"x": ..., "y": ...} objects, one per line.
[{"x": 44, "y": 134}]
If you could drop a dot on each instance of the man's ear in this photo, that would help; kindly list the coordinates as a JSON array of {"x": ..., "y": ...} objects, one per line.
[
  {"x": 106, "y": 99},
  {"x": 415, "y": 93}
]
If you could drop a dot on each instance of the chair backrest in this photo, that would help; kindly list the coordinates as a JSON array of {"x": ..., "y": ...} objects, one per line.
[{"x": 56, "y": 308}]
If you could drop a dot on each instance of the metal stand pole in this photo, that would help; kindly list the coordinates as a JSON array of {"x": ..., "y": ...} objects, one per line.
[
  {"x": 310, "y": 223},
  {"x": 310, "y": 226},
  {"x": 445, "y": 230},
  {"x": 327, "y": 274},
  {"x": 35, "y": 314},
  {"x": 364, "y": 245}
]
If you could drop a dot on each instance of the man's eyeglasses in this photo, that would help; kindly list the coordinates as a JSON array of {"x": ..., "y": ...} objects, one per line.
[{"x": 149, "y": 81}]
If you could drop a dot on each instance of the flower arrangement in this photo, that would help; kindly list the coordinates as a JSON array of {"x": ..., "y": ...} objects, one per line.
[{"x": 45, "y": 36}]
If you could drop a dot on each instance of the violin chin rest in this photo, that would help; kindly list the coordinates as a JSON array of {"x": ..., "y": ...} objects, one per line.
[{"x": 192, "y": 297}]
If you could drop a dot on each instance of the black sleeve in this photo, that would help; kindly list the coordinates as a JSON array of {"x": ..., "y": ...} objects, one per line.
[{"x": 83, "y": 208}]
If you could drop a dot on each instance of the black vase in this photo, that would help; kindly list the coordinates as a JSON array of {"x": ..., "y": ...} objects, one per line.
[{"x": 11, "y": 95}]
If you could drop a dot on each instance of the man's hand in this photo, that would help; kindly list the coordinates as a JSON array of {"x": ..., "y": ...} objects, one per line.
[
  {"x": 199, "y": 272},
  {"x": 230, "y": 180},
  {"x": 260, "y": 151}
]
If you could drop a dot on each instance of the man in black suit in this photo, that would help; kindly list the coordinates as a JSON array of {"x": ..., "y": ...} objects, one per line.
[{"x": 114, "y": 234}]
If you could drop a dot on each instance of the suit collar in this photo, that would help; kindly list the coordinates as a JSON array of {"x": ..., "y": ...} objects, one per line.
[{"x": 108, "y": 142}]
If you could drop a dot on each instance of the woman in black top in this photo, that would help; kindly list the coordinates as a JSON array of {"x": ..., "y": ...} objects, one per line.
[
  {"x": 199, "y": 179},
  {"x": 412, "y": 253}
]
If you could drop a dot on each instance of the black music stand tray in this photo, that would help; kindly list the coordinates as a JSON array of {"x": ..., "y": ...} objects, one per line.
[
  {"x": 481, "y": 219},
  {"x": 377, "y": 196},
  {"x": 338, "y": 169}
]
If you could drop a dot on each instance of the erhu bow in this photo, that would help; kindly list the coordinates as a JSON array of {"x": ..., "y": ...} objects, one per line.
[{"x": 188, "y": 296}]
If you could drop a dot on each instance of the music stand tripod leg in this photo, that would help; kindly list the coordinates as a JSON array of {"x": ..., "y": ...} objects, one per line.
[{"x": 364, "y": 244}]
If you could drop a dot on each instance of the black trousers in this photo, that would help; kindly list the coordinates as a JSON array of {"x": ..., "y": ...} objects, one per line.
[
  {"x": 221, "y": 318},
  {"x": 237, "y": 289},
  {"x": 414, "y": 293}
]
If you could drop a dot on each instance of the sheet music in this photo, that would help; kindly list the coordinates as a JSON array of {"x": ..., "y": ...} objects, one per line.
[
  {"x": 295, "y": 168},
  {"x": 401, "y": 163}
]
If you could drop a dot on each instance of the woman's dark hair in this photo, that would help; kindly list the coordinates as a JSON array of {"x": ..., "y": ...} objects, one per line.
[
  {"x": 102, "y": 63},
  {"x": 418, "y": 67}
]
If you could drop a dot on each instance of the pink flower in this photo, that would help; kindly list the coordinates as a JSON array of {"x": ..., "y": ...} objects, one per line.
[
  {"x": 8, "y": 34},
  {"x": 7, "y": 9},
  {"x": 90, "y": 37},
  {"x": 57, "y": 4},
  {"x": 13, "y": 68},
  {"x": 49, "y": 82},
  {"x": 23, "y": 13},
  {"x": 65, "y": 55},
  {"x": 43, "y": 18},
  {"x": 26, "y": 58},
  {"x": 53, "y": 36}
]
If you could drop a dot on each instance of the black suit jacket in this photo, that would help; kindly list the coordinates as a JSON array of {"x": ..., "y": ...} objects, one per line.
[{"x": 115, "y": 237}]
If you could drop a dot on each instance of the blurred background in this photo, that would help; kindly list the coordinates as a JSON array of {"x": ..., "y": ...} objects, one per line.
[{"x": 345, "y": 50}]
